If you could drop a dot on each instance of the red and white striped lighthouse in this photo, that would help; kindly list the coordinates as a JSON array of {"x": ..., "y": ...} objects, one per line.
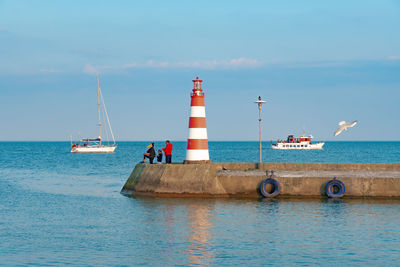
[{"x": 197, "y": 145}]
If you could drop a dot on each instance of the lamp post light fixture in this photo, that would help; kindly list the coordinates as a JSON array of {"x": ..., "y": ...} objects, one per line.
[{"x": 260, "y": 102}]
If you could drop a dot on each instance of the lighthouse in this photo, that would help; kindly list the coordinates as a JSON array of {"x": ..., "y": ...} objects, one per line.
[{"x": 197, "y": 144}]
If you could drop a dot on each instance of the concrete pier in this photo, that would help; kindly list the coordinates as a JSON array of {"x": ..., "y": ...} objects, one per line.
[{"x": 243, "y": 179}]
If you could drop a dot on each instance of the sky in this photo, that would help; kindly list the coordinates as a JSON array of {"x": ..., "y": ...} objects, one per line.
[{"x": 315, "y": 63}]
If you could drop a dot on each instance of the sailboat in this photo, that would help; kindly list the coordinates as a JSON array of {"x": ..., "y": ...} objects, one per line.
[{"x": 96, "y": 145}]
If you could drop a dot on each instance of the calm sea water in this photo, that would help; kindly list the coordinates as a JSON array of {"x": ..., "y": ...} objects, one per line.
[{"x": 58, "y": 208}]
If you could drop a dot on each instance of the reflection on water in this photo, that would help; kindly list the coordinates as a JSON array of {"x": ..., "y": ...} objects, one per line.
[{"x": 200, "y": 247}]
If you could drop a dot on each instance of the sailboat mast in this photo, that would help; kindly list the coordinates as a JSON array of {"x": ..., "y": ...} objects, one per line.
[{"x": 98, "y": 105}]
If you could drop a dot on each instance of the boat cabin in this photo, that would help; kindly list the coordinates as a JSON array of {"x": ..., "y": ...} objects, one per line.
[{"x": 291, "y": 139}]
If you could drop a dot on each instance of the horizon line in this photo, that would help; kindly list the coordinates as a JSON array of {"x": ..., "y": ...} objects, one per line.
[{"x": 208, "y": 141}]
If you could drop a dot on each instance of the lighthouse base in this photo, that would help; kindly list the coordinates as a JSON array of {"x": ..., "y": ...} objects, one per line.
[{"x": 196, "y": 161}]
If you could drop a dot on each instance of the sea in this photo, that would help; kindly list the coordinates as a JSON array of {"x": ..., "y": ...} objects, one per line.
[{"x": 59, "y": 208}]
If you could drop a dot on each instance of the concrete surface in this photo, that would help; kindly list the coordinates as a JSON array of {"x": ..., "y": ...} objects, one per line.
[{"x": 243, "y": 179}]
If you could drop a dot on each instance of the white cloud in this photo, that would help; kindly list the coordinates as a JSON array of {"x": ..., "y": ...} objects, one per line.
[
  {"x": 314, "y": 64},
  {"x": 122, "y": 67},
  {"x": 210, "y": 64},
  {"x": 393, "y": 58},
  {"x": 244, "y": 62},
  {"x": 153, "y": 64},
  {"x": 48, "y": 70},
  {"x": 89, "y": 69},
  {"x": 222, "y": 64}
]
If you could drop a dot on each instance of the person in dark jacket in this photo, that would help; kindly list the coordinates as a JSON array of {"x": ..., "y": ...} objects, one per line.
[
  {"x": 159, "y": 157},
  {"x": 150, "y": 154}
]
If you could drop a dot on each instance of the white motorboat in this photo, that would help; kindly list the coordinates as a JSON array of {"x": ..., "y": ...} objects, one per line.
[
  {"x": 96, "y": 145},
  {"x": 301, "y": 143}
]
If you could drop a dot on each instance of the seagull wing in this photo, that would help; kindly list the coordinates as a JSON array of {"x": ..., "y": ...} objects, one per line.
[
  {"x": 353, "y": 123},
  {"x": 341, "y": 123},
  {"x": 338, "y": 131}
]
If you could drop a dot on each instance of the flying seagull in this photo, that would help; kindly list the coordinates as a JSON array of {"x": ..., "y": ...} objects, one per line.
[{"x": 344, "y": 125}]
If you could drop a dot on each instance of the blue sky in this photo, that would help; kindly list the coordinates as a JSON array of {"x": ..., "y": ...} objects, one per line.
[{"x": 315, "y": 62}]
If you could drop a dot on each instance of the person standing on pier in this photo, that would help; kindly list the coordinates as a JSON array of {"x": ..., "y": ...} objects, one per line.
[{"x": 168, "y": 152}]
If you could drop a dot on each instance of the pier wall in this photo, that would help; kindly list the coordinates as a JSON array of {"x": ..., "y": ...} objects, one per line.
[{"x": 243, "y": 179}]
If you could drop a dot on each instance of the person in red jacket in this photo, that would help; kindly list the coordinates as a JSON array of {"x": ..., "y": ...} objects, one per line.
[{"x": 168, "y": 151}]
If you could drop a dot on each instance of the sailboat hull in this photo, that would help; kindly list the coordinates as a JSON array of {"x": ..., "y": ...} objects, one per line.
[
  {"x": 93, "y": 149},
  {"x": 94, "y": 145}
]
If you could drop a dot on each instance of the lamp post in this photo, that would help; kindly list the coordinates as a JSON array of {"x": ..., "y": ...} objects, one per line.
[{"x": 259, "y": 102}]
